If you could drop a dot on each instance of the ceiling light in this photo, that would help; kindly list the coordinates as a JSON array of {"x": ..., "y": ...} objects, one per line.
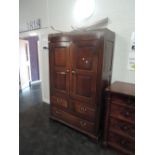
[{"x": 83, "y": 9}]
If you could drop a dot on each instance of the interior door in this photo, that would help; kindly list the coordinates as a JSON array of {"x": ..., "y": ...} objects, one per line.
[
  {"x": 59, "y": 55},
  {"x": 24, "y": 64},
  {"x": 84, "y": 57}
]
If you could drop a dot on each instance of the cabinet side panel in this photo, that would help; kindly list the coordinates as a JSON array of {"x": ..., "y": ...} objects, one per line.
[{"x": 107, "y": 61}]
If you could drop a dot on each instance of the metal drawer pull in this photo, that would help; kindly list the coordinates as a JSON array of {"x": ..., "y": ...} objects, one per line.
[
  {"x": 83, "y": 109},
  {"x": 59, "y": 101},
  {"x": 82, "y": 123}
]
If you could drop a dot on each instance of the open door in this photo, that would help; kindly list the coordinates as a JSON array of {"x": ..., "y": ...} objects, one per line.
[{"x": 24, "y": 64}]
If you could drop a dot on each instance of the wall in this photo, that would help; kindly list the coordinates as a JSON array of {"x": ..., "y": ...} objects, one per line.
[
  {"x": 33, "y": 48},
  {"x": 30, "y": 10},
  {"x": 58, "y": 13}
]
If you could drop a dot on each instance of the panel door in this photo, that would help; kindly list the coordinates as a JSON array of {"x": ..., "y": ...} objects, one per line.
[
  {"x": 59, "y": 67},
  {"x": 84, "y": 57}
]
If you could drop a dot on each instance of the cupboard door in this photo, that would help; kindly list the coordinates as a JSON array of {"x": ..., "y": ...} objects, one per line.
[
  {"x": 84, "y": 61},
  {"x": 59, "y": 67}
]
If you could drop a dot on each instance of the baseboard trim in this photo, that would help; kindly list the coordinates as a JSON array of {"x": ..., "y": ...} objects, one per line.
[
  {"x": 35, "y": 82},
  {"x": 46, "y": 101}
]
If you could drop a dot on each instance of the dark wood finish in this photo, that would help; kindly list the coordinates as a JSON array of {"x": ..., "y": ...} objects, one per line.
[
  {"x": 80, "y": 66},
  {"x": 83, "y": 110},
  {"x": 119, "y": 131},
  {"x": 73, "y": 120},
  {"x": 119, "y": 142}
]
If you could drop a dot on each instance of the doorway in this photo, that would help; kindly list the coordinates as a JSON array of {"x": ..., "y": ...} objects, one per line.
[
  {"x": 24, "y": 64},
  {"x": 29, "y": 62}
]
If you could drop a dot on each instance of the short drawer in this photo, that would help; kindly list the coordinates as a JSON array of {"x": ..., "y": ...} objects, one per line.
[
  {"x": 122, "y": 99},
  {"x": 73, "y": 120},
  {"x": 122, "y": 127},
  {"x": 121, "y": 143},
  {"x": 59, "y": 101},
  {"x": 122, "y": 112},
  {"x": 83, "y": 110}
]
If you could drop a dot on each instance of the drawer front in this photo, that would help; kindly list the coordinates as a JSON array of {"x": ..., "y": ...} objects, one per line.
[
  {"x": 123, "y": 113},
  {"x": 73, "y": 120},
  {"x": 121, "y": 99},
  {"x": 123, "y": 127},
  {"x": 121, "y": 142},
  {"x": 60, "y": 101},
  {"x": 84, "y": 111}
]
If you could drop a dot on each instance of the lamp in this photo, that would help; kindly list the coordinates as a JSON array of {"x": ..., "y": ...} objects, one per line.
[{"x": 83, "y": 10}]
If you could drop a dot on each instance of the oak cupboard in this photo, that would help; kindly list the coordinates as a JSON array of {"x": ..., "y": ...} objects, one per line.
[{"x": 80, "y": 67}]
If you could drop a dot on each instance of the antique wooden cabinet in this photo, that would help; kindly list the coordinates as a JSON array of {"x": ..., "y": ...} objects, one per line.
[
  {"x": 80, "y": 68},
  {"x": 119, "y": 128}
]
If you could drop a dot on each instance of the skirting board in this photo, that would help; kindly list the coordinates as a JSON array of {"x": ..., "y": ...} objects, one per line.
[
  {"x": 35, "y": 82},
  {"x": 46, "y": 100}
]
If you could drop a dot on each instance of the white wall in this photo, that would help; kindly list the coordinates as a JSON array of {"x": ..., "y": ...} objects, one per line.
[
  {"x": 30, "y": 10},
  {"x": 58, "y": 13}
]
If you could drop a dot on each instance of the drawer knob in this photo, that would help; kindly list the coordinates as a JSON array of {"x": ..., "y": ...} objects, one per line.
[
  {"x": 57, "y": 112},
  {"x": 57, "y": 100},
  {"x": 123, "y": 142},
  {"x": 124, "y": 127},
  {"x": 83, "y": 123},
  {"x": 127, "y": 113}
]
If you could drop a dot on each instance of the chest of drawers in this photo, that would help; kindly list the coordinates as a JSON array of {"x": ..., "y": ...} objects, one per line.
[{"x": 119, "y": 127}]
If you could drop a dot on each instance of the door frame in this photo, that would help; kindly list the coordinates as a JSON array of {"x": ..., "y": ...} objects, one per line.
[{"x": 28, "y": 64}]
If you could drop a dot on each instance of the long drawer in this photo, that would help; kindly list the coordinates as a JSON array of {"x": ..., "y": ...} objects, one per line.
[
  {"x": 122, "y": 99},
  {"x": 121, "y": 143},
  {"x": 73, "y": 120},
  {"x": 122, "y": 127},
  {"x": 83, "y": 110},
  {"x": 121, "y": 112}
]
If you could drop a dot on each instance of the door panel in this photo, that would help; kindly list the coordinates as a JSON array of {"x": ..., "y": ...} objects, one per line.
[
  {"x": 84, "y": 58},
  {"x": 59, "y": 53},
  {"x": 83, "y": 86},
  {"x": 60, "y": 80},
  {"x": 60, "y": 56}
]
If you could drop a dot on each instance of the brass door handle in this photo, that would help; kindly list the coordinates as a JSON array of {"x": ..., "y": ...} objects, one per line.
[
  {"x": 67, "y": 71},
  {"x": 73, "y": 72},
  {"x": 62, "y": 73}
]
